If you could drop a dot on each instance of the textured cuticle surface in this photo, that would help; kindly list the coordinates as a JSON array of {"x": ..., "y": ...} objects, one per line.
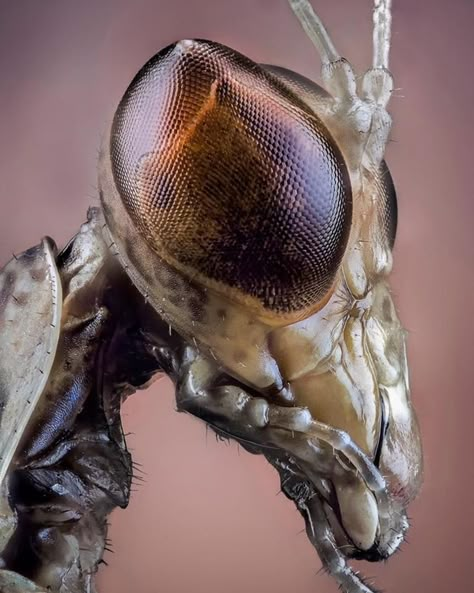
[{"x": 243, "y": 184}]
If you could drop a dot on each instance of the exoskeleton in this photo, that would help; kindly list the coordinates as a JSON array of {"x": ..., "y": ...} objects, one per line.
[{"x": 243, "y": 247}]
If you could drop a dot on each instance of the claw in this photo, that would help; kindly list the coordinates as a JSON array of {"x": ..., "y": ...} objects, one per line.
[{"x": 319, "y": 531}]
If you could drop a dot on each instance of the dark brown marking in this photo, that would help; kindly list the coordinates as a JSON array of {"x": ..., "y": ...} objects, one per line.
[
  {"x": 387, "y": 309},
  {"x": 175, "y": 300},
  {"x": 197, "y": 308},
  {"x": 6, "y": 289},
  {"x": 21, "y": 298},
  {"x": 38, "y": 274}
]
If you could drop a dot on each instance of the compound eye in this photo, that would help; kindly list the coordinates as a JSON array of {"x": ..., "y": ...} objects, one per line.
[
  {"x": 388, "y": 209},
  {"x": 232, "y": 179}
]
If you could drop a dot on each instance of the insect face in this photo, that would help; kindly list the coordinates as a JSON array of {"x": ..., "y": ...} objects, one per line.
[{"x": 256, "y": 213}]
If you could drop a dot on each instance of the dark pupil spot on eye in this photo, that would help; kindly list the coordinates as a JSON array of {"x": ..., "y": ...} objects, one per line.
[{"x": 232, "y": 175}]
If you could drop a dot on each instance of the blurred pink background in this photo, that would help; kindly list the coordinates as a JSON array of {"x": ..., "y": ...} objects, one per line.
[{"x": 209, "y": 518}]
